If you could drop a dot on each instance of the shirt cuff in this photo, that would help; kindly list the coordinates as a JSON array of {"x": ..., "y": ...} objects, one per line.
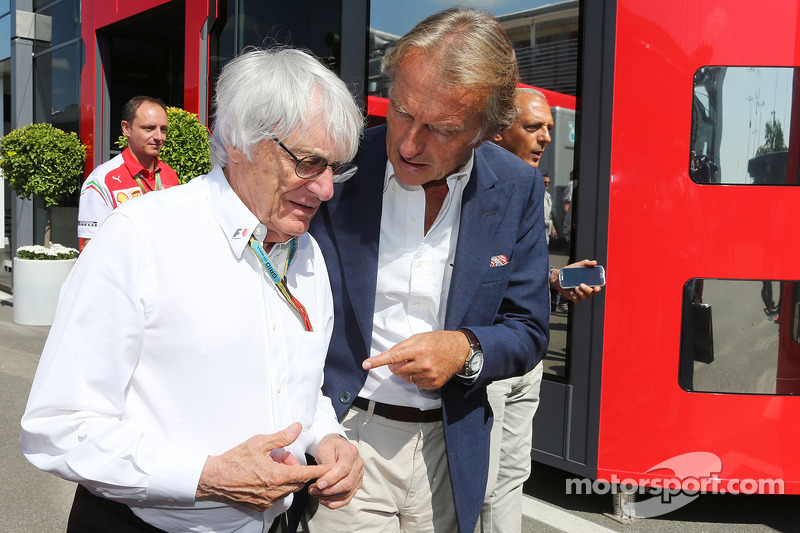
[{"x": 176, "y": 476}]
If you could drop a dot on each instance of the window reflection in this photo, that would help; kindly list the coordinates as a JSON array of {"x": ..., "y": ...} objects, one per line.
[
  {"x": 545, "y": 38},
  {"x": 314, "y": 25},
  {"x": 67, "y": 13},
  {"x": 741, "y": 119},
  {"x": 740, "y": 336},
  {"x": 57, "y": 78}
]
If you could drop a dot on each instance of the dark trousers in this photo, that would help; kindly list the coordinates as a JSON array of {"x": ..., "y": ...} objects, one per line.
[{"x": 94, "y": 514}]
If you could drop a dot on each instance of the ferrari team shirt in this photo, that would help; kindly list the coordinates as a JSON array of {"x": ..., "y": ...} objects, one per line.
[
  {"x": 113, "y": 183},
  {"x": 170, "y": 344}
]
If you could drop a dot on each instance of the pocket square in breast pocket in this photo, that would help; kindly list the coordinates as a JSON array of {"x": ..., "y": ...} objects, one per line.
[{"x": 498, "y": 260}]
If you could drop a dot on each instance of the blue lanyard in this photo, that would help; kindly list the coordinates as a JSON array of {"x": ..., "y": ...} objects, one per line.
[{"x": 280, "y": 281}]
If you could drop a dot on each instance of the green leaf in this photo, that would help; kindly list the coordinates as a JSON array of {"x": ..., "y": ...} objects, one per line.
[{"x": 41, "y": 160}]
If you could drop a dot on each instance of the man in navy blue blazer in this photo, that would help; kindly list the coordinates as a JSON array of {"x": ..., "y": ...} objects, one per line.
[{"x": 436, "y": 251}]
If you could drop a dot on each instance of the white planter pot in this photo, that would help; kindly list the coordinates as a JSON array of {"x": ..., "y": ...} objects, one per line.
[{"x": 36, "y": 287}]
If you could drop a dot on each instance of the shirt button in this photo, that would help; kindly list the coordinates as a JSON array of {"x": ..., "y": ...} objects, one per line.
[
  {"x": 417, "y": 305},
  {"x": 420, "y": 263},
  {"x": 257, "y": 232},
  {"x": 413, "y": 219},
  {"x": 345, "y": 397}
]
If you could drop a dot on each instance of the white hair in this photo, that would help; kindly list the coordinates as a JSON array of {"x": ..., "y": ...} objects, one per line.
[{"x": 280, "y": 92}]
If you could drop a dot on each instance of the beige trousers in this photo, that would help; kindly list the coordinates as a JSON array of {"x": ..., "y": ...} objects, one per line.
[
  {"x": 406, "y": 484},
  {"x": 514, "y": 402}
]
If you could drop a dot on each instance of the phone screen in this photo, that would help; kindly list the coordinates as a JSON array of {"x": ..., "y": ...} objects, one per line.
[{"x": 574, "y": 276}]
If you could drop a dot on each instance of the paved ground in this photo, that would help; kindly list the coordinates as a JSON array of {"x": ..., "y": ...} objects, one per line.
[{"x": 30, "y": 500}]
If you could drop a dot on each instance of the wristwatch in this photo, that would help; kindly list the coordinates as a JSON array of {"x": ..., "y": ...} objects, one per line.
[{"x": 474, "y": 362}]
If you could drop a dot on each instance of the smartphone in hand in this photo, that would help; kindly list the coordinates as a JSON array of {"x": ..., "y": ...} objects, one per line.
[{"x": 570, "y": 277}]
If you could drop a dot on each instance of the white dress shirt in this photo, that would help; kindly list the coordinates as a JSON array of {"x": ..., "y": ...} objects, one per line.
[
  {"x": 171, "y": 344},
  {"x": 414, "y": 271}
]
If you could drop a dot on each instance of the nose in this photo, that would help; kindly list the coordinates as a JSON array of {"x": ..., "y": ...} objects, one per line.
[
  {"x": 322, "y": 185},
  {"x": 160, "y": 136},
  {"x": 412, "y": 144},
  {"x": 547, "y": 137}
]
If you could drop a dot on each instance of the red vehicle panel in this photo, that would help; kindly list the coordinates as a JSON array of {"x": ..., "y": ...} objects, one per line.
[{"x": 680, "y": 230}]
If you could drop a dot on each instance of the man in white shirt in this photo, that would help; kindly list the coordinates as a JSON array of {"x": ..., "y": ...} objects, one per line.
[{"x": 180, "y": 383}]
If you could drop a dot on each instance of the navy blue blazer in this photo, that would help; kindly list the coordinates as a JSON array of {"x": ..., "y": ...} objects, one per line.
[{"x": 506, "y": 306}]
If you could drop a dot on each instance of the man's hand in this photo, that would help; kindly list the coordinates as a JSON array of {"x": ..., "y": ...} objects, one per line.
[
  {"x": 428, "y": 360},
  {"x": 257, "y": 473},
  {"x": 579, "y": 293},
  {"x": 336, "y": 488}
]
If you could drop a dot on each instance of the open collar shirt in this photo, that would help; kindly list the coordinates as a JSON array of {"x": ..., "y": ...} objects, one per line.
[
  {"x": 171, "y": 344},
  {"x": 113, "y": 183},
  {"x": 414, "y": 272}
]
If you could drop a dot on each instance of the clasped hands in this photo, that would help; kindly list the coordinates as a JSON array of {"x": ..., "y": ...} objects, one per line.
[{"x": 258, "y": 472}]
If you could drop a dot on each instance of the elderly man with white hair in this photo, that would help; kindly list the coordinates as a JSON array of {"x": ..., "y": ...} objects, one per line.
[{"x": 180, "y": 383}]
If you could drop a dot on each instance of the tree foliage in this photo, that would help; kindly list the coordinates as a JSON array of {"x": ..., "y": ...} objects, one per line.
[
  {"x": 186, "y": 148},
  {"x": 773, "y": 137},
  {"x": 41, "y": 160}
]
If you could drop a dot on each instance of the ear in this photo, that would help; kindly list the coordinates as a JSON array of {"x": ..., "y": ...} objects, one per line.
[
  {"x": 498, "y": 137},
  {"x": 235, "y": 155},
  {"x": 126, "y": 128}
]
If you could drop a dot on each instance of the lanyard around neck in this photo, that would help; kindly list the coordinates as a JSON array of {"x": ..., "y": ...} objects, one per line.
[
  {"x": 280, "y": 281},
  {"x": 140, "y": 181}
]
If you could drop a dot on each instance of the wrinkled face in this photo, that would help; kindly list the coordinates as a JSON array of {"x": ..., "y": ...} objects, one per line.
[
  {"x": 148, "y": 131},
  {"x": 528, "y": 136},
  {"x": 269, "y": 187},
  {"x": 431, "y": 126}
]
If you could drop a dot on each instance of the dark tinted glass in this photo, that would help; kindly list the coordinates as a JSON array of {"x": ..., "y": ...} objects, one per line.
[
  {"x": 67, "y": 15},
  {"x": 740, "y": 336}
]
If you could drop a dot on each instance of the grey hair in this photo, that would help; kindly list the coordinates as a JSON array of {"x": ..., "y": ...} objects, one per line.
[
  {"x": 531, "y": 90},
  {"x": 280, "y": 92},
  {"x": 527, "y": 90},
  {"x": 470, "y": 49}
]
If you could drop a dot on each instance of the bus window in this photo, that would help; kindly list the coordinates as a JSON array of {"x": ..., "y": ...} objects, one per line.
[
  {"x": 740, "y": 336},
  {"x": 741, "y": 118}
]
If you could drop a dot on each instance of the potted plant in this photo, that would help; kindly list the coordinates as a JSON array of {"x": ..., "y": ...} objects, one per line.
[
  {"x": 45, "y": 161},
  {"x": 186, "y": 148}
]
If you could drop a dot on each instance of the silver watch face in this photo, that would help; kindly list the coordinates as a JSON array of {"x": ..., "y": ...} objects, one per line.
[{"x": 475, "y": 363}]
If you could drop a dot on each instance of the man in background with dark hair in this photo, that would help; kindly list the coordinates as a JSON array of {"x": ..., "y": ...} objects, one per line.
[{"x": 134, "y": 172}]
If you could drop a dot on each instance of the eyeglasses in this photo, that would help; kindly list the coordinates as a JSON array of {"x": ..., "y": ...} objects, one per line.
[{"x": 311, "y": 166}]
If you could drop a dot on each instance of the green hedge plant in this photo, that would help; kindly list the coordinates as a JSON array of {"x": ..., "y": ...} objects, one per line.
[
  {"x": 41, "y": 160},
  {"x": 186, "y": 148}
]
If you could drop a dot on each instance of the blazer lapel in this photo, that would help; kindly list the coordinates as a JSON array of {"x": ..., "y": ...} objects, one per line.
[
  {"x": 482, "y": 212},
  {"x": 355, "y": 218}
]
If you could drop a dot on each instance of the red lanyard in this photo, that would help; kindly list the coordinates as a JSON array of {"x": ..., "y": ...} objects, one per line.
[{"x": 280, "y": 282}]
